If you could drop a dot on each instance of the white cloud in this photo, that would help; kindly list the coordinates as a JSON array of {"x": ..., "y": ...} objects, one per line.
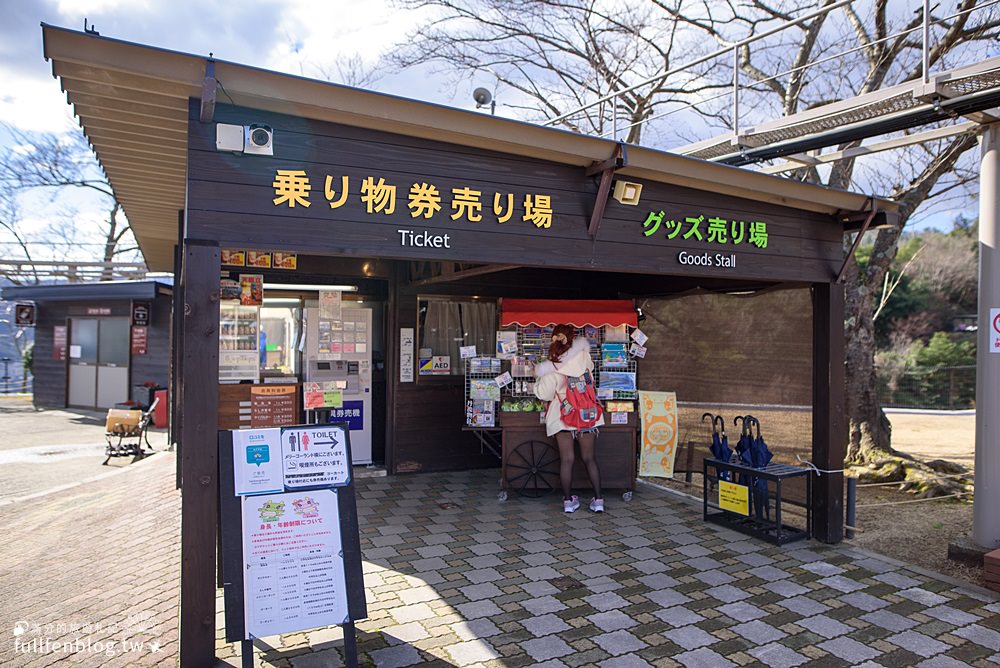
[{"x": 33, "y": 104}]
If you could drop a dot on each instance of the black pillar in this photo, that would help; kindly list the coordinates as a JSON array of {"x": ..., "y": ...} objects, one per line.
[
  {"x": 829, "y": 419},
  {"x": 198, "y": 450}
]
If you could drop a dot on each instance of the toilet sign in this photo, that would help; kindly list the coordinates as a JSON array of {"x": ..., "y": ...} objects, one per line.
[{"x": 995, "y": 330}]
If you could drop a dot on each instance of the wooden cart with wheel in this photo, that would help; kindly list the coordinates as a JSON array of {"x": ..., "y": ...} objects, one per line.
[{"x": 529, "y": 464}]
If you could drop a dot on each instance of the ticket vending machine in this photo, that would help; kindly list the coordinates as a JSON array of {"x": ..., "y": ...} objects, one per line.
[{"x": 340, "y": 352}]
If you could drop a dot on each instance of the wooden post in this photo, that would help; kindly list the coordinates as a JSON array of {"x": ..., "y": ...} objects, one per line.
[
  {"x": 198, "y": 450},
  {"x": 829, "y": 420}
]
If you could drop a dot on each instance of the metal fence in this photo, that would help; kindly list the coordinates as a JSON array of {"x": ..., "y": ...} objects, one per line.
[{"x": 942, "y": 387}]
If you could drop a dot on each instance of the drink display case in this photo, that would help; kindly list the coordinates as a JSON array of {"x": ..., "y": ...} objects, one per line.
[{"x": 239, "y": 342}]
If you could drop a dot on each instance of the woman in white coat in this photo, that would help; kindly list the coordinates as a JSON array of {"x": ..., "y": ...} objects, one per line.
[{"x": 569, "y": 356}]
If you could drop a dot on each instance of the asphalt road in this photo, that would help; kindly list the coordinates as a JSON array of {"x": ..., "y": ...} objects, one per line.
[{"x": 41, "y": 451}]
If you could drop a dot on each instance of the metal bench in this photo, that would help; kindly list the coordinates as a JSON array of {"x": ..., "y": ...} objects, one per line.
[{"x": 125, "y": 431}]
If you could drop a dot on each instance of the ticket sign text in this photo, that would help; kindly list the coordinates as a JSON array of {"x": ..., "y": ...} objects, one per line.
[{"x": 734, "y": 498}]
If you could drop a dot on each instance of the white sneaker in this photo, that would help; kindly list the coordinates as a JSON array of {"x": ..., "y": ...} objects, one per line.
[
  {"x": 597, "y": 505},
  {"x": 571, "y": 504}
]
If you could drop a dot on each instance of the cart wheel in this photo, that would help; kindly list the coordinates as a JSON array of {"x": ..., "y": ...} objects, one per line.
[
  {"x": 627, "y": 496},
  {"x": 502, "y": 496},
  {"x": 533, "y": 468}
]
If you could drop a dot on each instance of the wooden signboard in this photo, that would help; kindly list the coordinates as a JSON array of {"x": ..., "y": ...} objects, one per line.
[{"x": 283, "y": 528}]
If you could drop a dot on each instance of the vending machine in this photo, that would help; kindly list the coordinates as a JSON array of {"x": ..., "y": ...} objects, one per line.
[{"x": 338, "y": 353}]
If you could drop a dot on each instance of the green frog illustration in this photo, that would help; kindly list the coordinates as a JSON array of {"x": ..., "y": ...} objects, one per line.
[{"x": 271, "y": 511}]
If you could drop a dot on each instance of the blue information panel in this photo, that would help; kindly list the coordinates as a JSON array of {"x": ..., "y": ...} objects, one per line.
[{"x": 352, "y": 412}]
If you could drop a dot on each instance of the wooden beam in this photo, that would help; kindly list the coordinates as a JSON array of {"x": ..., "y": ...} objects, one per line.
[
  {"x": 448, "y": 276},
  {"x": 829, "y": 421},
  {"x": 607, "y": 169},
  {"x": 857, "y": 239},
  {"x": 199, "y": 450},
  {"x": 208, "y": 88}
]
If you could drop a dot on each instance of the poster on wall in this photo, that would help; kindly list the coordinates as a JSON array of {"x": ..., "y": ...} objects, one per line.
[
  {"x": 59, "y": 343},
  {"x": 322, "y": 395},
  {"x": 406, "y": 354},
  {"x": 330, "y": 305},
  {"x": 995, "y": 330},
  {"x": 234, "y": 258},
  {"x": 658, "y": 419},
  {"x": 251, "y": 289},
  {"x": 285, "y": 261},
  {"x": 139, "y": 335},
  {"x": 258, "y": 259}
]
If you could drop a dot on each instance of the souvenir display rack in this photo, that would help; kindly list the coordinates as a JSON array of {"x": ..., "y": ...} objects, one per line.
[
  {"x": 482, "y": 394},
  {"x": 529, "y": 463},
  {"x": 533, "y": 346}
]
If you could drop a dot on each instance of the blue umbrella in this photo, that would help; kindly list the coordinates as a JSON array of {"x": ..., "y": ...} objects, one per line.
[
  {"x": 743, "y": 449},
  {"x": 760, "y": 457},
  {"x": 720, "y": 443}
]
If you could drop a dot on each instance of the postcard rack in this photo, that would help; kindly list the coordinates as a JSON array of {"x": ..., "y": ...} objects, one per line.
[
  {"x": 482, "y": 394},
  {"x": 614, "y": 367}
]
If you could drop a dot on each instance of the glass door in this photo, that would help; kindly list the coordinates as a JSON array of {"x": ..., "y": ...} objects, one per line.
[
  {"x": 83, "y": 363},
  {"x": 112, "y": 361}
]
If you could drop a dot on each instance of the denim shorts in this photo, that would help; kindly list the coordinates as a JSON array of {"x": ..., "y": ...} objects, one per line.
[{"x": 591, "y": 430}]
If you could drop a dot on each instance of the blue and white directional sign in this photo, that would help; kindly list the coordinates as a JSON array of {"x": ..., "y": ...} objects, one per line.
[{"x": 312, "y": 456}]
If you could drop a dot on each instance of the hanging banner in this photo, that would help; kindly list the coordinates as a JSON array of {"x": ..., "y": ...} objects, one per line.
[{"x": 658, "y": 415}]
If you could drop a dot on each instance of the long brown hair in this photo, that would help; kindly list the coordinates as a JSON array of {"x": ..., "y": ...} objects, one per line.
[{"x": 559, "y": 348}]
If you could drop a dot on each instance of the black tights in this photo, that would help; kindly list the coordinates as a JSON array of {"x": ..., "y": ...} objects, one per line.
[{"x": 588, "y": 444}]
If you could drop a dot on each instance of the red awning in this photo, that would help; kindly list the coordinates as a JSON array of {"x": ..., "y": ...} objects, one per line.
[{"x": 543, "y": 312}]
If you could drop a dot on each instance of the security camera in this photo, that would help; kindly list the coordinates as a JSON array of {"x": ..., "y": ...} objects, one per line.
[
  {"x": 482, "y": 97},
  {"x": 258, "y": 139}
]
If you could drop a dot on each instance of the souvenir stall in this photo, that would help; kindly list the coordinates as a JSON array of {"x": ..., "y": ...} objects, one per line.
[{"x": 529, "y": 458}]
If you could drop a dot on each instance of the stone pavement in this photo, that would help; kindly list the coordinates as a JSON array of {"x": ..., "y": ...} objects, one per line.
[
  {"x": 455, "y": 578},
  {"x": 90, "y": 574}
]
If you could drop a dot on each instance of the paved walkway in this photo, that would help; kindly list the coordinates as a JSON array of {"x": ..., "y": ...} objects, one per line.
[{"x": 455, "y": 578}]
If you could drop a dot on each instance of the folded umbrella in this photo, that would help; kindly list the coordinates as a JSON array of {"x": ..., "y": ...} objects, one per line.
[
  {"x": 760, "y": 456},
  {"x": 720, "y": 443},
  {"x": 743, "y": 450}
]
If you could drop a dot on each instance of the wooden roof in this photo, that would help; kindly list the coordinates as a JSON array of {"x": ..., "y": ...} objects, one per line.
[{"x": 132, "y": 103}]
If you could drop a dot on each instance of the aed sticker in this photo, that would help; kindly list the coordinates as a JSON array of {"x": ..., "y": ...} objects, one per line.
[{"x": 734, "y": 498}]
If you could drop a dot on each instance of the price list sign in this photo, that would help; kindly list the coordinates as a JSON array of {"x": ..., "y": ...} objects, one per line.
[{"x": 272, "y": 406}]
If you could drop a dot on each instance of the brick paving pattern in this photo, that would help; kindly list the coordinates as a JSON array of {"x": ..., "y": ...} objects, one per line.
[
  {"x": 455, "y": 578},
  {"x": 94, "y": 570}
]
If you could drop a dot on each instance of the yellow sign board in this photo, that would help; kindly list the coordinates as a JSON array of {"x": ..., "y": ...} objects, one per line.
[{"x": 734, "y": 498}]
